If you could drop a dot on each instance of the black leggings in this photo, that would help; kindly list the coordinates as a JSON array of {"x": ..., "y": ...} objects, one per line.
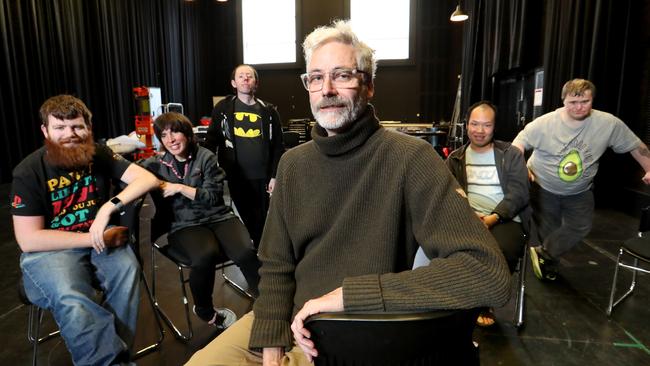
[
  {"x": 511, "y": 239},
  {"x": 210, "y": 244}
]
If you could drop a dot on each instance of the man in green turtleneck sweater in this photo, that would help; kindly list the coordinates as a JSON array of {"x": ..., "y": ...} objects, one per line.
[{"x": 348, "y": 213}]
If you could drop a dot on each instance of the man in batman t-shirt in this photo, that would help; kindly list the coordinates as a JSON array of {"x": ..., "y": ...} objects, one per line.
[{"x": 246, "y": 134}]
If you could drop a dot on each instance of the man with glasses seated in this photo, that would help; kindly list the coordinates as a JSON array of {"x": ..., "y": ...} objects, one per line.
[
  {"x": 349, "y": 211},
  {"x": 246, "y": 135},
  {"x": 494, "y": 176}
]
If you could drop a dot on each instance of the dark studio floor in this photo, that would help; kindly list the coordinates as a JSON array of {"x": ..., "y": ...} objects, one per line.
[{"x": 565, "y": 321}]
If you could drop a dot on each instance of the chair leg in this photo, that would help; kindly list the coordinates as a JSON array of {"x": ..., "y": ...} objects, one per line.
[
  {"x": 177, "y": 333},
  {"x": 34, "y": 321},
  {"x": 35, "y": 328},
  {"x": 186, "y": 302},
  {"x": 153, "y": 272},
  {"x": 30, "y": 323},
  {"x": 521, "y": 291},
  {"x": 235, "y": 285},
  {"x": 636, "y": 264},
  {"x": 612, "y": 302},
  {"x": 610, "y": 306},
  {"x": 161, "y": 334}
]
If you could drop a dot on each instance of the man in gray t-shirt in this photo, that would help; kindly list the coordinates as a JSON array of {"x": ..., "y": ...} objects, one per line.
[{"x": 567, "y": 144}]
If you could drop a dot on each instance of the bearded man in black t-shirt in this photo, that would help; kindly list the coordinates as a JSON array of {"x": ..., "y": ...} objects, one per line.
[{"x": 61, "y": 210}]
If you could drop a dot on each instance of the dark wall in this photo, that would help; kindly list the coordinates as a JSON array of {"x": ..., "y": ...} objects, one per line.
[{"x": 399, "y": 90}]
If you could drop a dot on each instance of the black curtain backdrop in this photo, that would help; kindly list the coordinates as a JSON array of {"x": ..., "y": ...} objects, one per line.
[
  {"x": 438, "y": 56},
  {"x": 593, "y": 39},
  {"x": 605, "y": 41},
  {"x": 500, "y": 35},
  {"x": 98, "y": 50},
  {"x": 596, "y": 40}
]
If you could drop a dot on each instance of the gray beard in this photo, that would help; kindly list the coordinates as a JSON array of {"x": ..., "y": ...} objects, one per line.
[{"x": 333, "y": 121}]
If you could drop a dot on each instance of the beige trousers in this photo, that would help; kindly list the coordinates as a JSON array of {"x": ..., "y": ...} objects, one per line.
[{"x": 230, "y": 348}]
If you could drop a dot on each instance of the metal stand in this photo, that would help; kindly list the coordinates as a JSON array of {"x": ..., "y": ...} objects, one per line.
[{"x": 457, "y": 131}]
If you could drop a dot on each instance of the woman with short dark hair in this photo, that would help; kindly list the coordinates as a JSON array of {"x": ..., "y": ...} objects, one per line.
[{"x": 204, "y": 228}]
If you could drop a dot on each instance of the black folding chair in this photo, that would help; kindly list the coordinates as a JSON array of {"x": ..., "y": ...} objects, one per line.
[
  {"x": 129, "y": 217},
  {"x": 160, "y": 225},
  {"x": 637, "y": 249},
  {"x": 377, "y": 339}
]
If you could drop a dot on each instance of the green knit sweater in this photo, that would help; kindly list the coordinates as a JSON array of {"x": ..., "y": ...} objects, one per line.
[{"x": 351, "y": 210}]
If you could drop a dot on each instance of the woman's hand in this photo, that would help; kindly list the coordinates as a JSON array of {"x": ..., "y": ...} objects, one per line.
[{"x": 170, "y": 189}]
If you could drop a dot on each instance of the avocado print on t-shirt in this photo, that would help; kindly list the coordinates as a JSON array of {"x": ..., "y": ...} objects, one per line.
[{"x": 570, "y": 167}]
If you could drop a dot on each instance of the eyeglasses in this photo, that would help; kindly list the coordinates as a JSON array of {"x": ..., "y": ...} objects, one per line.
[{"x": 340, "y": 79}]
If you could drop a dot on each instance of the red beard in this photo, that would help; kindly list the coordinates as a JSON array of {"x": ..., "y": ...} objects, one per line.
[{"x": 70, "y": 158}]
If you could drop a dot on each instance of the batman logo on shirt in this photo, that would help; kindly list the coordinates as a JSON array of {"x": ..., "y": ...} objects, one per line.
[{"x": 246, "y": 125}]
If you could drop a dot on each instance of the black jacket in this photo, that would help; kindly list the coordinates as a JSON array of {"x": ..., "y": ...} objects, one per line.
[
  {"x": 221, "y": 136},
  {"x": 205, "y": 175},
  {"x": 513, "y": 176}
]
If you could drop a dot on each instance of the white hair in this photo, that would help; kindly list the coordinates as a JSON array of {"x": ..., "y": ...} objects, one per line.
[{"x": 341, "y": 31}]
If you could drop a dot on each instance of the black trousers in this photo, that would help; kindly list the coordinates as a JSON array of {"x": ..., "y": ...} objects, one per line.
[
  {"x": 511, "y": 239},
  {"x": 562, "y": 222},
  {"x": 252, "y": 203},
  {"x": 211, "y": 244}
]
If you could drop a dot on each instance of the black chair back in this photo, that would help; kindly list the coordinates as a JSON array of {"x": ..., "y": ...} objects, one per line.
[
  {"x": 164, "y": 216},
  {"x": 431, "y": 338},
  {"x": 644, "y": 223},
  {"x": 130, "y": 217},
  {"x": 160, "y": 226}
]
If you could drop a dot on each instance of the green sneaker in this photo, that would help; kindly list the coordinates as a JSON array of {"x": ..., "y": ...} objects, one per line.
[{"x": 542, "y": 267}]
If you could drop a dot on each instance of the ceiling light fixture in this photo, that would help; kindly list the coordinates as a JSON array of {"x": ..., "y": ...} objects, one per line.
[{"x": 458, "y": 15}]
